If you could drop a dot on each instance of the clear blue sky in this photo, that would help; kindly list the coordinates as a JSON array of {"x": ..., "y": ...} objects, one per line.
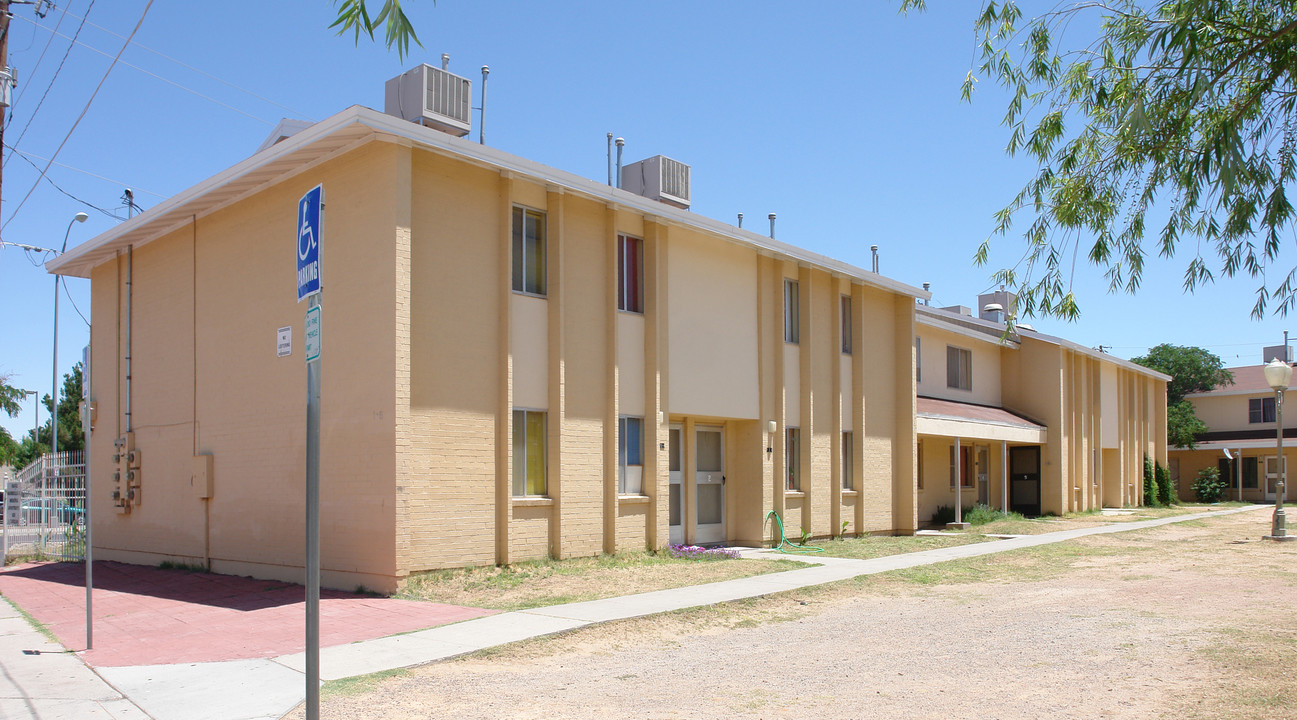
[{"x": 843, "y": 118}]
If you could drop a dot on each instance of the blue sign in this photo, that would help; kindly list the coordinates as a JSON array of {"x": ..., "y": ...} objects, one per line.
[{"x": 308, "y": 242}]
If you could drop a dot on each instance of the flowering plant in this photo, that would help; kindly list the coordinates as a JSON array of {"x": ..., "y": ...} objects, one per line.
[{"x": 696, "y": 552}]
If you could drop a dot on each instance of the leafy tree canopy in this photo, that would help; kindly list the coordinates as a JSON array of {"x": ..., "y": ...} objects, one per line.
[
  {"x": 10, "y": 396},
  {"x": 1190, "y": 102},
  {"x": 353, "y": 15},
  {"x": 1192, "y": 369}
]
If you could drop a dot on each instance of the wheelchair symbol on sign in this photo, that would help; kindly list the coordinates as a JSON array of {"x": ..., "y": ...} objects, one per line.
[{"x": 305, "y": 238}]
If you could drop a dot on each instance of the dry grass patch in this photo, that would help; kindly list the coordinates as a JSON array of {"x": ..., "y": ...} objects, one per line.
[
  {"x": 875, "y": 546},
  {"x": 553, "y": 582}
]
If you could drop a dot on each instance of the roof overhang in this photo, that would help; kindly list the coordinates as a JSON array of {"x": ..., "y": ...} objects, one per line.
[
  {"x": 948, "y": 418},
  {"x": 357, "y": 126}
]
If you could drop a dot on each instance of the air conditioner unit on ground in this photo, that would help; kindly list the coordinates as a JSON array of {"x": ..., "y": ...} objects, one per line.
[
  {"x": 433, "y": 97},
  {"x": 659, "y": 178}
]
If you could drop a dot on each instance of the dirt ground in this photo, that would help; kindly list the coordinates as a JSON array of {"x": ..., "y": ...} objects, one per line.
[{"x": 1193, "y": 620}]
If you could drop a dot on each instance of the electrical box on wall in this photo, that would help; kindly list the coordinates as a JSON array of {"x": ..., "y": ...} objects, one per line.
[
  {"x": 126, "y": 487},
  {"x": 201, "y": 480}
]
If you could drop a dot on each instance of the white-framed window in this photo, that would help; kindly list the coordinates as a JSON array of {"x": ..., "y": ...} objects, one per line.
[
  {"x": 846, "y": 324},
  {"x": 630, "y": 274},
  {"x": 529, "y": 251},
  {"x": 630, "y": 455},
  {"x": 848, "y": 467},
  {"x": 959, "y": 368},
  {"x": 792, "y": 313},
  {"x": 1260, "y": 410},
  {"x": 529, "y": 471},
  {"x": 792, "y": 458}
]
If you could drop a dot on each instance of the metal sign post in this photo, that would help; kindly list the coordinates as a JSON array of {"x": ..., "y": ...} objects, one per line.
[{"x": 308, "y": 286}]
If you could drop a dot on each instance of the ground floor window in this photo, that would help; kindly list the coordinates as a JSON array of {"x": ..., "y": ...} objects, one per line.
[
  {"x": 965, "y": 467},
  {"x": 529, "y": 453},
  {"x": 792, "y": 458},
  {"x": 630, "y": 455},
  {"x": 847, "y": 467}
]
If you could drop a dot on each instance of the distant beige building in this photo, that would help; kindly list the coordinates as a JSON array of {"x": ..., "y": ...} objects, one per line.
[
  {"x": 519, "y": 363},
  {"x": 1041, "y": 424},
  {"x": 1242, "y": 437}
]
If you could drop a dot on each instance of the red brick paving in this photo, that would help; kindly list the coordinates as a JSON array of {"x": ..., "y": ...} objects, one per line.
[{"x": 149, "y": 616}]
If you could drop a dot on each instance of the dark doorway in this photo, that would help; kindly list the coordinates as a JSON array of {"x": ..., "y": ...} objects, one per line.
[{"x": 1024, "y": 480}]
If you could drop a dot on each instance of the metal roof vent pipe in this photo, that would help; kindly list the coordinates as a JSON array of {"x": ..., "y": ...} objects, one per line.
[
  {"x": 874, "y": 249},
  {"x": 445, "y": 61},
  {"x": 481, "y": 117},
  {"x": 610, "y": 158},
  {"x": 772, "y": 226},
  {"x": 927, "y": 287},
  {"x": 740, "y": 221},
  {"x": 621, "y": 143}
]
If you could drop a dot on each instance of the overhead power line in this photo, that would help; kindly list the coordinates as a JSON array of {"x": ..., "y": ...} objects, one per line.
[
  {"x": 45, "y": 94},
  {"x": 63, "y": 16},
  {"x": 29, "y": 157},
  {"x": 84, "y": 110}
]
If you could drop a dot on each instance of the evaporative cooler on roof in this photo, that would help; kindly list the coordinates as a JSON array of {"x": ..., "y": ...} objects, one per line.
[
  {"x": 433, "y": 97},
  {"x": 659, "y": 178}
]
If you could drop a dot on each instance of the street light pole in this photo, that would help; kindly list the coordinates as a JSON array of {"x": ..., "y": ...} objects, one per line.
[
  {"x": 54, "y": 395},
  {"x": 1278, "y": 374}
]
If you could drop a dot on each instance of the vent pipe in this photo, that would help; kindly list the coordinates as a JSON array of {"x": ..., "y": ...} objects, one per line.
[
  {"x": 610, "y": 158},
  {"x": 621, "y": 143},
  {"x": 481, "y": 127},
  {"x": 874, "y": 249},
  {"x": 740, "y": 221},
  {"x": 772, "y": 226},
  {"x": 445, "y": 61},
  {"x": 927, "y": 287}
]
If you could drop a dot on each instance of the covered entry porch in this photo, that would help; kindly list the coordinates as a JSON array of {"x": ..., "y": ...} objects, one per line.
[{"x": 976, "y": 455}]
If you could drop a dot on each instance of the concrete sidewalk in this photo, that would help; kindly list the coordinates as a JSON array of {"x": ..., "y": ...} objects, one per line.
[{"x": 269, "y": 688}]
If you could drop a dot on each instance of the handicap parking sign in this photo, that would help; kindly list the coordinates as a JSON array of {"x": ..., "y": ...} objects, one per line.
[{"x": 308, "y": 242}]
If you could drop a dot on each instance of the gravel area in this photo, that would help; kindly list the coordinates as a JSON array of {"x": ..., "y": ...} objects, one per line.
[{"x": 1130, "y": 632}]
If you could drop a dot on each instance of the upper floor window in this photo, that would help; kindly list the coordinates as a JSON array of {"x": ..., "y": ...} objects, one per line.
[
  {"x": 630, "y": 274},
  {"x": 528, "y": 251},
  {"x": 792, "y": 313},
  {"x": 1260, "y": 410},
  {"x": 846, "y": 324},
  {"x": 959, "y": 368}
]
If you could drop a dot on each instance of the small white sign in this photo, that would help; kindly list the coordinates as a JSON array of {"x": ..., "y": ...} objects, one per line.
[
  {"x": 284, "y": 341},
  {"x": 311, "y": 331}
]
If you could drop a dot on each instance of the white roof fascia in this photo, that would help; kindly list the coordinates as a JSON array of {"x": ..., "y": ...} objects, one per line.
[{"x": 468, "y": 150}]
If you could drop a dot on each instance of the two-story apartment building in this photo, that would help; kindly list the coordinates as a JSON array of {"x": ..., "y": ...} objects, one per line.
[
  {"x": 1242, "y": 438},
  {"x": 1027, "y": 420},
  {"x": 518, "y": 362}
]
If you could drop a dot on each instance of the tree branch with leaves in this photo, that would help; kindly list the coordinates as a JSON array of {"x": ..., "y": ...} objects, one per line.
[{"x": 1170, "y": 129}]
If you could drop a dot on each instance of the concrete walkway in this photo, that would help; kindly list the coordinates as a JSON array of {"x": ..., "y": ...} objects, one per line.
[{"x": 269, "y": 688}]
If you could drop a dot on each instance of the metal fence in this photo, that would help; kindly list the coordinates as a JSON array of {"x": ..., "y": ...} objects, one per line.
[{"x": 44, "y": 513}]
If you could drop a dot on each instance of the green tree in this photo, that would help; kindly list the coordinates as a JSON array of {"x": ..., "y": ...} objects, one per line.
[
  {"x": 11, "y": 396},
  {"x": 71, "y": 436},
  {"x": 1123, "y": 104},
  {"x": 1192, "y": 369},
  {"x": 353, "y": 15}
]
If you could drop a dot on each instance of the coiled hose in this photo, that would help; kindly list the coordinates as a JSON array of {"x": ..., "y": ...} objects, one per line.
[{"x": 787, "y": 547}]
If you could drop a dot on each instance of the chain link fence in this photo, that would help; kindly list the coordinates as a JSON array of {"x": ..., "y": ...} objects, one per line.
[{"x": 44, "y": 515}]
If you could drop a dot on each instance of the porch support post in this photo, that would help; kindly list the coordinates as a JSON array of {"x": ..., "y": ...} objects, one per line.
[
  {"x": 1004, "y": 477},
  {"x": 959, "y": 485}
]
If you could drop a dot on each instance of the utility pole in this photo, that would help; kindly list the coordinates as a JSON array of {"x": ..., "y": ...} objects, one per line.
[{"x": 6, "y": 81}]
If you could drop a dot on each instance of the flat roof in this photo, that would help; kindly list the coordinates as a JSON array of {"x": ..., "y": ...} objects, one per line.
[{"x": 357, "y": 126}]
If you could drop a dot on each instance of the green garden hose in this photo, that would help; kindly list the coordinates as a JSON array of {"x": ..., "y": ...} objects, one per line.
[{"x": 792, "y": 548}]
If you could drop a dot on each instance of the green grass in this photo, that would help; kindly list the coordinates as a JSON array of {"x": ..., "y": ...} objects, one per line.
[
  {"x": 37, "y": 625},
  {"x": 361, "y": 684},
  {"x": 541, "y": 583},
  {"x": 875, "y": 546}
]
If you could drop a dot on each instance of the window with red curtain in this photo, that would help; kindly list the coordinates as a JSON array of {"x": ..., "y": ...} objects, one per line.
[{"x": 630, "y": 274}]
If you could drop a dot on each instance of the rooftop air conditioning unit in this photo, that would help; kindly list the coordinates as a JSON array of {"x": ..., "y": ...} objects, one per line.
[
  {"x": 659, "y": 178},
  {"x": 433, "y": 97}
]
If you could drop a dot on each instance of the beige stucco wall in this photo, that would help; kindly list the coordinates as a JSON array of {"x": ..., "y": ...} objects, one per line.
[
  {"x": 206, "y": 302},
  {"x": 1230, "y": 412},
  {"x": 986, "y": 365}
]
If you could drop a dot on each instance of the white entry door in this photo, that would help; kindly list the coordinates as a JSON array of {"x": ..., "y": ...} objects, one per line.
[
  {"x": 1272, "y": 477},
  {"x": 709, "y": 485},
  {"x": 675, "y": 502}
]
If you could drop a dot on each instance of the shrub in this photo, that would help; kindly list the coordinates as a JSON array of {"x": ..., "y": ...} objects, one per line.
[
  {"x": 1208, "y": 486},
  {"x": 1167, "y": 493},
  {"x": 1150, "y": 489},
  {"x": 696, "y": 552},
  {"x": 972, "y": 514}
]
